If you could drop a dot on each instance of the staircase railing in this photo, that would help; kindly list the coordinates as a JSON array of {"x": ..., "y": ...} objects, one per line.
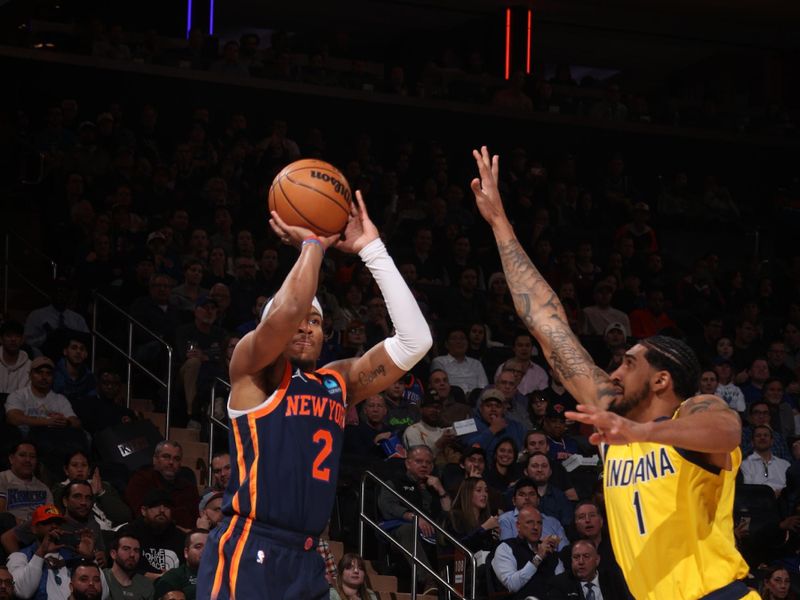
[{"x": 469, "y": 592}]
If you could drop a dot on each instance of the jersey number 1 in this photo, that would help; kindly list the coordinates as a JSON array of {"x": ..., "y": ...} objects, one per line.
[
  {"x": 324, "y": 436},
  {"x": 637, "y": 506}
]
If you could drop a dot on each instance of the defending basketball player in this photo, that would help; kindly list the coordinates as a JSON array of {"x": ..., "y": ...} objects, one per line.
[
  {"x": 287, "y": 422},
  {"x": 670, "y": 457}
]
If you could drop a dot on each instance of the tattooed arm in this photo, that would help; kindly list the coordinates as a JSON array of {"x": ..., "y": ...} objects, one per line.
[
  {"x": 537, "y": 304},
  {"x": 705, "y": 424}
]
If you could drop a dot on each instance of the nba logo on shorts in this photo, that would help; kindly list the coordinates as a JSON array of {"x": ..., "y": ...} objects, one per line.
[
  {"x": 332, "y": 385},
  {"x": 260, "y": 557}
]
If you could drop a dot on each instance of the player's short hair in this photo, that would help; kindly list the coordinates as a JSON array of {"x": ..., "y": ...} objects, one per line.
[{"x": 676, "y": 358}]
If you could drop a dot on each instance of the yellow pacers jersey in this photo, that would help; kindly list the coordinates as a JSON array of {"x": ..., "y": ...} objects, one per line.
[{"x": 671, "y": 520}]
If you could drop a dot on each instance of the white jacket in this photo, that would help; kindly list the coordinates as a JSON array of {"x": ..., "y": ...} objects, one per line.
[{"x": 13, "y": 377}]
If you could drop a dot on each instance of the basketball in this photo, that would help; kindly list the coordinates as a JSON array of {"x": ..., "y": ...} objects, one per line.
[{"x": 313, "y": 194}]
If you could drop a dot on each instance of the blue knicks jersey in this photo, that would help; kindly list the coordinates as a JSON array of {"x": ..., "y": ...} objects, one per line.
[{"x": 285, "y": 453}]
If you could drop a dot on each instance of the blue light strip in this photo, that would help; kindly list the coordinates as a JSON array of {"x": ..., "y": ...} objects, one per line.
[
  {"x": 188, "y": 18},
  {"x": 211, "y": 19}
]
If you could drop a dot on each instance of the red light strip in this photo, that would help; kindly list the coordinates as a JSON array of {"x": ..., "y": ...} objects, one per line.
[
  {"x": 508, "y": 43},
  {"x": 528, "y": 54}
]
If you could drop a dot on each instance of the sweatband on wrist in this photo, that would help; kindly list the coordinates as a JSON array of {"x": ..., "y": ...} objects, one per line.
[
  {"x": 412, "y": 338},
  {"x": 313, "y": 240}
]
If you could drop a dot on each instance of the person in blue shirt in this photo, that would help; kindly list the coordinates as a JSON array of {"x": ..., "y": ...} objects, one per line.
[{"x": 492, "y": 423}]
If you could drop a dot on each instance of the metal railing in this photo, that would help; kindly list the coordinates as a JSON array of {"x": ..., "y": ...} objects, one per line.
[
  {"x": 99, "y": 300},
  {"x": 9, "y": 266},
  {"x": 469, "y": 593},
  {"x": 214, "y": 422}
]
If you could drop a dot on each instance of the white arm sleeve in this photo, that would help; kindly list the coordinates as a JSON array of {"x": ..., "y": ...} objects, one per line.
[{"x": 412, "y": 338}]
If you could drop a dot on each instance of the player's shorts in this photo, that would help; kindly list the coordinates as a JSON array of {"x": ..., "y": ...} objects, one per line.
[{"x": 247, "y": 560}]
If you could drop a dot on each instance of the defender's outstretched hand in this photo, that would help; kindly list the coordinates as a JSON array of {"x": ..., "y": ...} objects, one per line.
[
  {"x": 611, "y": 427},
  {"x": 293, "y": 235},
  {"x": 487, "y": 195},
  {"x": 360, "y": 229}
]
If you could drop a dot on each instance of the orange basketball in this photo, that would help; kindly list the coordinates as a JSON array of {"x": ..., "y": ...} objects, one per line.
[{"x": 313, "y": 194}]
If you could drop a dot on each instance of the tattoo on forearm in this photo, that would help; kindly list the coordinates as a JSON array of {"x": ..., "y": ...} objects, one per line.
[
  {"x": 367, "y": 377},
  {"x": 700, "y": 406}
]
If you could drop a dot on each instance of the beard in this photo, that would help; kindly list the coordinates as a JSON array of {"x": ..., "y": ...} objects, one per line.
[
  {"x": 629, "y": 400},
  {"x": 307, "y": 366},
  {"x": 76, "y": 595}
]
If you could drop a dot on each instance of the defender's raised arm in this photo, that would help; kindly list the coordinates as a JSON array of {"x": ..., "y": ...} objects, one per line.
[{"x": 537, "y": 304}]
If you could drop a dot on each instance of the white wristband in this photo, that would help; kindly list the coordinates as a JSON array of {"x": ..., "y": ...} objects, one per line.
[{"x": 412, "y": 338}]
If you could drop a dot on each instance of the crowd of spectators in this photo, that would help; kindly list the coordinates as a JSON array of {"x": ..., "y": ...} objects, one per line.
[
  {"x": 171, "y": 227},
  {"x": 435, "y": 70}
]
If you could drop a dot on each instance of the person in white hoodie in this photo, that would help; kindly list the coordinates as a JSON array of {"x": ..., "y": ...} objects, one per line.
[{"x": 15, "y": 364}]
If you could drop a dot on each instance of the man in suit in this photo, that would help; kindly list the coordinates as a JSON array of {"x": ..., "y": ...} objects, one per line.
[{"x": 583, "y": 580}]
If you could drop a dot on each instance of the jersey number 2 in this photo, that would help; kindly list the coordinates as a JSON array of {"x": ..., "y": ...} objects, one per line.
[
  {"x": 324, "y": 436},
  {"x": 637, "y": 506}
]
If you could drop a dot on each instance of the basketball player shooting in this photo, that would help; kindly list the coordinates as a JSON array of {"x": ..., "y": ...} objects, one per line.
[
  {"x": 670, "y": 457},
  {"x": 287, "y": 422}
]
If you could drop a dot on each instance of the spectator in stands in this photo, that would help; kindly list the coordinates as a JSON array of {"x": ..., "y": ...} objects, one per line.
[
  {"x": 601, "y": 314},
  {"x": 351, "y": 580},
  {"x": 6, "y": 584},
  {"x": 20, "y": 490},
  {"x": 463, "y": 371},
  {"x": 44, "y": 417},
  {"x": 776, "y": 361},
  {"x": 161, "y": 541},
  {"x": 44, "y": 322},
  {"x": 537, "y": 407},
  {"x": 781, "y": 412},
  {"x": 14, "y": 362},
  {"x": 464, "y": 303},
  {"x": 87, "y": 582},
  {"x": 77, "y": 502},
  {"x": 184, "y": 577},
  {"x": 40, "y": 570},
  {"x": 72, "y": 377},
  {"x": 155, "y": 311},
  {"x": 269, "y": 276},
  {"x": 560, "y": 445},
  {"x": 109, "y": 510},
  {"x": 584, "y": 579},
  {"x": 184, "y": 297},
  {"x": 164, "y": 476},
  {"x": 503, "y": 467},
  {"x": 454, "y": 404},
  {"x": 423, "y": 490},
  {"x": 217, "y": 271},
  {"x": 220, "y": 471},
  {"x": 534, "y": 377},
  {"x": 756, "y": 376},
  {"x": 791, "y": 340},
  {"x": 470, "y": 520},
  {"x": 107, "y": 409},
  {"x": 651, "y": 319},
  {"x": 525, "y": 563},
  {"x": 210, "y": 510},
  {"x": 762, "y": 467},
  {"x": 197, "y": 343},
  {"x": 513, "y": 96},
  {"x": 759, "y": 414},
  {"x": 553, "y": 501},
  {"x": 492, "y": 423},
  {"x": 507, "y": 381},
  {"x": 589, "y": 526},
  {"x": 726, "y": 389},
  {"x": 537, "y": 442},
  {"x": 124, "y": 583},
  {"x": 708, "y": 382},
  {"x": 776, "y": 584},
  {"x": 364, "y": 439},
  {"x": 745, "y": 344},
  {"x": 221, "y": 294},
  {"x": 523, "y": 495},
  {"x": 614, "y": 338},
  {"x": 248, "y": 326},
  {"x": 429, "y": 431},
  {"x": 471, "y": 463},
  {"x": 400, "y": 411}
]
